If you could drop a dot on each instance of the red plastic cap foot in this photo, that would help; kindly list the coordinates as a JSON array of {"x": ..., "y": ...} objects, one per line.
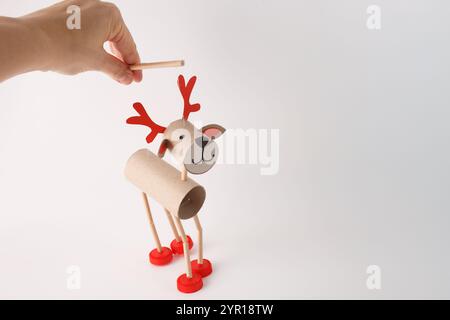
[
  {"x": 204, "y": 269},
  {"x": 160, "y": 258},
  {"x": 177, "y": 246},
  {"x": 189, "y": 285}
]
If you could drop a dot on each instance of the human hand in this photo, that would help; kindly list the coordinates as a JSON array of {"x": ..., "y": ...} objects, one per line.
[{"x": 73, "y": 51}]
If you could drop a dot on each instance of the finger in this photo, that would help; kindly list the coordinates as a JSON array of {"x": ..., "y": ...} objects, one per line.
[
  {"x": 137, "y": 74},
  {"x": 123, "y": 46},
  {"x": 115, "y": 68}
]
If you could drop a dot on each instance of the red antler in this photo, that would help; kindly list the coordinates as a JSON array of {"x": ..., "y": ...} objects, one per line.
[
  {"x": 186, "y": 91},
  {"x": 145, "y": 120}
]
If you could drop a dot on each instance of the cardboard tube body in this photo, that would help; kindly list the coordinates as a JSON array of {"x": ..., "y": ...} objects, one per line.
[{"x": 162, "y": 182}]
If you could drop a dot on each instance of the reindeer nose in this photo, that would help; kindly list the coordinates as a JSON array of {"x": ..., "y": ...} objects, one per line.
[{"x": 202, "y": 141}]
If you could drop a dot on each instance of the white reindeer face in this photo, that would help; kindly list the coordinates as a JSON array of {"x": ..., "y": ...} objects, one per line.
[
  {"x": 195, "y": 149},
  {"x": 203, "y": 153}
]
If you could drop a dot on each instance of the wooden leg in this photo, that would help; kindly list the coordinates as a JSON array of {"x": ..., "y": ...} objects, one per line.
[
  {"x": 187, "y": 257},
  {"x": 152, "y": 224},
  {"x": 172, "y": 225},
  {"x": 200, "y": 239},
  {"x": 201, "y": 266}
]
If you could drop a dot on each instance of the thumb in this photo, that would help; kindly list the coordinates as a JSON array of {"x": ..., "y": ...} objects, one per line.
[{"x": 115, "y": 68}]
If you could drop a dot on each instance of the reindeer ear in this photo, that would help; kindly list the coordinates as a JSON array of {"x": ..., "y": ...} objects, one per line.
[
  {"x": 213, "y": 131},
  {"x": 163, "y": 147}
]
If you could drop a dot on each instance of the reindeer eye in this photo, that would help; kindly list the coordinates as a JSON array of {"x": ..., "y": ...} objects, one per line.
[{"x": 182, "y": 137}]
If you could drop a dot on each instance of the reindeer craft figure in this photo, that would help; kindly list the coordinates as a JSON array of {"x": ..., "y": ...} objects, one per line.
[{"x": 196, "y": 152}]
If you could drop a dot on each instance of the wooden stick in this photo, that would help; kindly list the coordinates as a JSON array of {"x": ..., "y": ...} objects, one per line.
[
  {"x": 200, "y": 239},
  {"x": 197, "y": 224},
  {"x": 172, "y": 225},
  {"x": 183, "y": 174},
  {"x": 159, "y": 64},
  {"x": 152, "y": 224},
  {"x": 187, "y": 257}
]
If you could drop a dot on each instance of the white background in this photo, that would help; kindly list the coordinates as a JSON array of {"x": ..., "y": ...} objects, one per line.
[{"x": 364, "y": 138}]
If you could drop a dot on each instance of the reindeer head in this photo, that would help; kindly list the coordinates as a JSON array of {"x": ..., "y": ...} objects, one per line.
[{"x": 192, "y": 147}]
